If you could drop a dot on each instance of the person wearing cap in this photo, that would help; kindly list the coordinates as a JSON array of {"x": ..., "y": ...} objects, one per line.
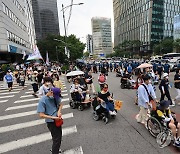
[
  {"x": 49, "y": 108},
  {"x": 164, "y": 88},
  {"x": 164, "y": 115},
  {"x": 144, "y": 91}
]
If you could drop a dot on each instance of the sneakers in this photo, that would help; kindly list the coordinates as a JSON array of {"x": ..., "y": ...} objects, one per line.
[
  {"x": 60, "y": 151},
  {"x": 112, "y": 113},
  {"x": 173, "y": 104}
]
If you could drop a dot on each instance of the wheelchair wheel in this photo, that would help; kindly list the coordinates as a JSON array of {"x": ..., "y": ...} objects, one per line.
[
  {"x": 122, "y": 86},
  {"x": 72, "y": 104},
  {"x": 80, "y": 108},
  {"x": 154, "y": 126},
  {"x": 164, "y": 139},
  {"x": 105, "y": 120},
  {"x": 95, "y": 116}
]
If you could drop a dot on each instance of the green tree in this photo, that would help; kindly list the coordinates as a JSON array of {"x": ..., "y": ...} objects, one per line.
[
  {"x": 86, "y": 54},
  {"x": 56, "y": 49},
  {"x": 176, "y": 45}
]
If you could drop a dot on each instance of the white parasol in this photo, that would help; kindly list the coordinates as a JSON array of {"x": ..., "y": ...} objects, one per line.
[
  {"x": 144, "y": 65},
  {"x": 74, "y": 73}
]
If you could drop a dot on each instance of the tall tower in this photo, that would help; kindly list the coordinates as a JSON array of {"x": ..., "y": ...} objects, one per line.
[
  {"x": 45, "y": 18},
  {"x": 101, "y": 33}
]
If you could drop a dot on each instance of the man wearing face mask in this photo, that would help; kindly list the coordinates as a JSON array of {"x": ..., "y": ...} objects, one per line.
[
  {"x": 46, "y": 86},
  {"x": 49, "y": 108},
  {"x": 164, "y": 88}
]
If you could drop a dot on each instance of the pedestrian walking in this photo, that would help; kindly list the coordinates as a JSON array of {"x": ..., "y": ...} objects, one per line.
[
  {"x": 8, "y": 78},
  {"x": 164, "y": 88},
  {"x": 177, "y": 86},
  {"x": 49, "y": 107},
  {"x": 43, "y": 90},
  {"x": 57, "y": 83},
  {"x": 35, "y": 83},
  {"x": 145, "y": 95},
  {"x": 89, "y": 82},
  {"x": 22, "y": 80}
]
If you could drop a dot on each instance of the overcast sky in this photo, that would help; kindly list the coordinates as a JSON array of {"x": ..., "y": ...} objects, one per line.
[{"x": 80, "y": 23}]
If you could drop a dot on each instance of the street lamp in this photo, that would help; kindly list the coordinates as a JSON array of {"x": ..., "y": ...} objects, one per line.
[{"x": 65, "y": 33}]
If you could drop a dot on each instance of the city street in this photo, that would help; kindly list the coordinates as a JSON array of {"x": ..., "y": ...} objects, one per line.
[{"x": 22, "y": 131}]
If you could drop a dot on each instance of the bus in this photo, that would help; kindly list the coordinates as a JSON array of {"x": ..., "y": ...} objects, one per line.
[{"x": 171, "y": 56}]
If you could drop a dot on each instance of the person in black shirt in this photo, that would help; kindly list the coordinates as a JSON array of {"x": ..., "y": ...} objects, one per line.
[
  {"x": 39, "y": 78},
  {"x": 177, "y": 85},
  {"x": 164, "y": 88},
  {"x": 106, "y": 100},
  {"x": 89, "y": 82}
]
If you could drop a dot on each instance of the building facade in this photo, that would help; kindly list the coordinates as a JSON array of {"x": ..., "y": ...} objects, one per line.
[
  {"x": 17, "y": 32},
  {"x": 45, "y": 18},
  {"x": 177, "y": 27},
  {"x": 89, "y": 43},
  {"x": 102, "y": 37},
  {"x": 148, "y": 21}
]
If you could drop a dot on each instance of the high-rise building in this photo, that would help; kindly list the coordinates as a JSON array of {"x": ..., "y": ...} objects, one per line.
[
  {"x": 17, "y": 33},
  {"x": 89, "y": 43},
  {"x": 177, "y": 27},
  {"x": 148, "y": 21},
  {"x": 102, "y": 38},
  {"x": 45, "y": 18}
]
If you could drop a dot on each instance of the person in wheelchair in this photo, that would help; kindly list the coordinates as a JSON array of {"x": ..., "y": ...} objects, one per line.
[
  {"x": 106, "y": 100},
  {"x": 76, "y": 91},
  {"x": 164, "y": 115},
  {"x": 126, "y": 78}
]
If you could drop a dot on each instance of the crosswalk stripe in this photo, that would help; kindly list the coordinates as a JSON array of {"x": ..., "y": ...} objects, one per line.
[
  {"x": 63, "y": 91},
  {"x": 25, "y": 96},
  {"x": 27, "y": 100},
  {"x": 77, "y": 150},
  {"x": 33, "y": 140},
  {"x": 28, "y": 105},
  {"x": 35, "y": 99},
  {"x": 29, "y": 92},
  {"x": 7, "y": 93},
  {"x": 3, "y": 101},
  {"x": 23, "y": 114},
  {"x": 7, "y": 96},
  {"x": 29, "y": 124},
  {"x": 12, "y": 90}
]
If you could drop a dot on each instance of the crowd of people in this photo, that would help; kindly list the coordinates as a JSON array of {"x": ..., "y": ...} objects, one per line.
[{"x": 46, "y": 83}]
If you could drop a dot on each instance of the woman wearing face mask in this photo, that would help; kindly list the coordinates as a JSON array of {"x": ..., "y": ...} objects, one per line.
[
  {"x": 106, "y": 100},
  {"x": 164, "y": 88},
  {"x": 46, "y": 86}
]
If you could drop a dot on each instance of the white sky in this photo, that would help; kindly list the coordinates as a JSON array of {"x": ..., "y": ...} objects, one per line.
[{"x": 80, "y": 23}]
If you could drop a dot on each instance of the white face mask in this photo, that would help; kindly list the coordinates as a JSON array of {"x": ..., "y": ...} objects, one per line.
[{"x": 167, "y": 77}]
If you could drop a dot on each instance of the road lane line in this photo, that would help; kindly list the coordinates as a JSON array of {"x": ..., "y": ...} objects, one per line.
[
  {"x": 77, "y": 150},
  {"x": 8, "y": 90},
  {"x": 63, "y": 91},
  {"x": 28, "y": 105},
  {"x": 3, "y": 101},
  {"x": 7, "y": 93},
  {"x": 23, "y": 114},
  {"x": 29, "y": 124},
  {"x": 13, "y": 145},
  {"x": 7, "y": 96},
  {"x": 12, "y": 88}
]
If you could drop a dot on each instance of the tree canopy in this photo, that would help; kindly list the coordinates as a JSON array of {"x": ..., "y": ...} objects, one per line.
[{"x": 55, "y": 46}]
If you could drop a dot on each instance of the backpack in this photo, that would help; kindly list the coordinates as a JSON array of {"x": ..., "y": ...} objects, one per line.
[{"x": 102, "y": 78}]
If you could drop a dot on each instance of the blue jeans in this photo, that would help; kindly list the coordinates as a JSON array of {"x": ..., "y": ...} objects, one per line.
[{"x": 109, "y": 106}]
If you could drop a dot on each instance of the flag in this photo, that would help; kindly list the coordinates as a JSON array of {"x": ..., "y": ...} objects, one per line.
[
  {"x": 35, "y": 55},
  {"x": 47, "y": 59},
  {"x": 24, "y": 55}
]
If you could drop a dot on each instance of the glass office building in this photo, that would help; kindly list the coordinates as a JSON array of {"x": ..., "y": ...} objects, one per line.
[
  {"x": 149, "y": 21},
  {"x": 177, "y": 27},
  {"x": 101, "y": 33},
  {"x": 45, "y": 18},
  {"x": 17, "y": 32}
]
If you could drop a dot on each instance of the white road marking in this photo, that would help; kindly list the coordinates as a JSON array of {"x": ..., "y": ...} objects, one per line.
[
  {"x": 8, "y": 90},
  {"x": 9, "y": 146},
  {"x": 25, "y": 96},
  {"x": 63, "y": 91},
  {"x": 12, "y": 88},
  {"x": 28, "y": 105},
  {"x": 27, "y": 100},
  {"x": 64, "y": 95},
  {"x": 12, "y": 92},
  {"x": 29, "y": 92},
  {"x": 77, "y": 150},
  {"x": 3, "y": 101},
  {"x": 7, "y": 96},
  {"x": 29, "y": 124},
  {"x": 23, "y": 114}
]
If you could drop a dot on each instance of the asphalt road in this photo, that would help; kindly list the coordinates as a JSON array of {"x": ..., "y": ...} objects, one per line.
[{"x": 22, "y": 132}]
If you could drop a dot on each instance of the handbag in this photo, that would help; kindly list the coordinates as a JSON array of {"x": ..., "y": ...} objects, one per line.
[
  {"x": 59, "y": 122},
  {"x": 151, "y": 100}
]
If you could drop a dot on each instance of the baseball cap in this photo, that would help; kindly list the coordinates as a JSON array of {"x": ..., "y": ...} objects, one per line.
[
  {"x": 56, "y": 92},
  {"x": 165, "y": 103}
]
